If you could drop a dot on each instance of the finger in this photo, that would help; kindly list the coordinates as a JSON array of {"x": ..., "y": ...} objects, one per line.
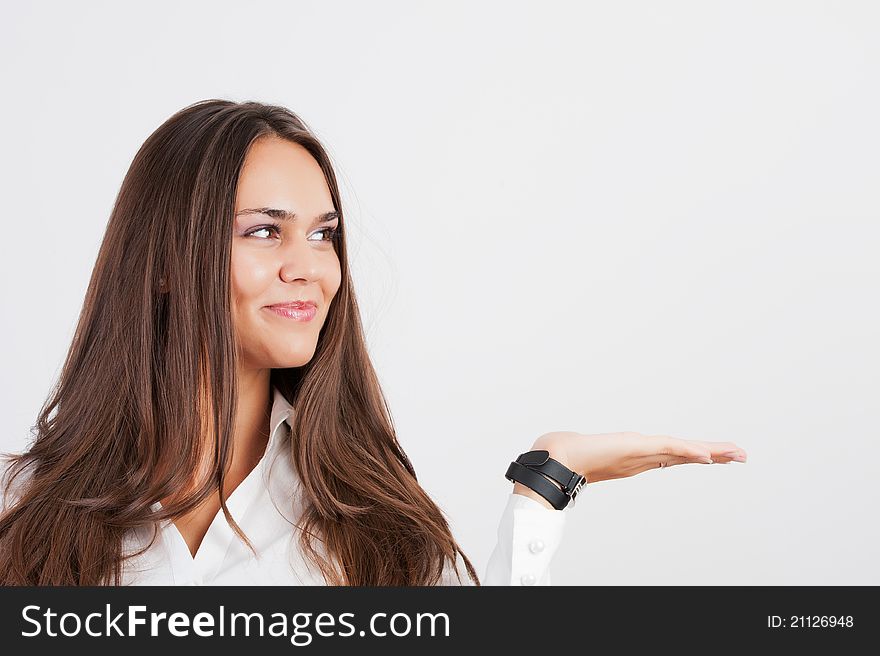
[
  {"x": 672, "y": 461},
  {"x": 717, "y": 451},
  {"x": 655, "y": 461},
  {"x": 729, "y": 454},
  {"x": 664, "y": 462},
  {"x": 678, "y": 448},
  {"x": 726, "y": 449},
  {"x": 724, "y": 457}
]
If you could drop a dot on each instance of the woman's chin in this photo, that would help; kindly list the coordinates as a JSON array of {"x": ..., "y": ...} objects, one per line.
[{"x": 292, "y": 360}]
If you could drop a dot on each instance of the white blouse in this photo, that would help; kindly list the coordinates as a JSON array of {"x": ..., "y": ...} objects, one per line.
[{"x": 265, "y": 506}]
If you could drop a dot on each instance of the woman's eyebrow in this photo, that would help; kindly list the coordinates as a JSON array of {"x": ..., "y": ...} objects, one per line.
[{"x": 284, "y": 215}]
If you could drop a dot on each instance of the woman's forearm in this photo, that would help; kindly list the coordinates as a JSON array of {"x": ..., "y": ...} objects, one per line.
[{"x": 519, "y": 488}]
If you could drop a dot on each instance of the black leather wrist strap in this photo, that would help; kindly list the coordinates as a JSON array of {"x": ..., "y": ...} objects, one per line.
[{"x": 531, "y": 468}]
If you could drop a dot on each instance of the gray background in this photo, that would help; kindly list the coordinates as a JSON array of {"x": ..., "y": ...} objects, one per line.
[{"x": 592, "y": 216}]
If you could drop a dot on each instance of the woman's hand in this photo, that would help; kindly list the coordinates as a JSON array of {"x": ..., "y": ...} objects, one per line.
[{"x": 619, "y": 455}]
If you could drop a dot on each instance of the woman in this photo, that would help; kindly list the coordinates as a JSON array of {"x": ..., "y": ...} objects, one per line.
[{"x": 220, "y": 348}]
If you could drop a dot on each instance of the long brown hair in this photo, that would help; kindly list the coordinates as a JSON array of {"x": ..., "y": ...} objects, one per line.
[{"x": 149, "y": 381}]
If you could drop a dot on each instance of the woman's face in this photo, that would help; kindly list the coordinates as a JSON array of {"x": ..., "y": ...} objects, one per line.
[{"x": 278, "y": 261}]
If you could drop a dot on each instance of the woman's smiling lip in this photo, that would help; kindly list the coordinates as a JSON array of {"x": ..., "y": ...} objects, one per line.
[{"x": 298, "y": 310}]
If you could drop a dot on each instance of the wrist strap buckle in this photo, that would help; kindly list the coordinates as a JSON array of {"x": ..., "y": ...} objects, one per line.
[{"x": 581, "y": 481}]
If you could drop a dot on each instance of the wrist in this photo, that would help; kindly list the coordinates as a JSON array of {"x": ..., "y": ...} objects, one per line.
[
  {"x": 519, "y": 488},
  {"x": 557, "y": 453}
]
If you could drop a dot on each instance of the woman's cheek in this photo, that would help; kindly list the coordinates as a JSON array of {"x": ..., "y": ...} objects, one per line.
[{"x": 250, "y": 276}]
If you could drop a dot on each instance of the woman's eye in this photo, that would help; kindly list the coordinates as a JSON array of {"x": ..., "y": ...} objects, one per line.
[
  {"x": 262, "y": 229},
  {"x": 331, "y": 233}
]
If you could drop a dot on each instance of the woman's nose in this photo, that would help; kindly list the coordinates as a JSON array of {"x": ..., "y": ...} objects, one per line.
[{"x": 301, "y": 260}]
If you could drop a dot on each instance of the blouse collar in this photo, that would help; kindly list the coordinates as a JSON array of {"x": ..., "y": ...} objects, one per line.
[{"x": 281, "y": 412}]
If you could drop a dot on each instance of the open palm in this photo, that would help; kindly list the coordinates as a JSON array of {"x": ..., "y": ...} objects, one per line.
[{"x": 606, "y": 456}]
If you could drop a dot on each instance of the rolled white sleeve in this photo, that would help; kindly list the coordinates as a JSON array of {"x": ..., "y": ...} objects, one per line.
[{"x": 529, "y": 534}]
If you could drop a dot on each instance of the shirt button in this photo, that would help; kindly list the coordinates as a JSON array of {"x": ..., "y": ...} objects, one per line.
[
  {"x": 536, "y": 546},
  {"x": 528, "y": 579}
]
